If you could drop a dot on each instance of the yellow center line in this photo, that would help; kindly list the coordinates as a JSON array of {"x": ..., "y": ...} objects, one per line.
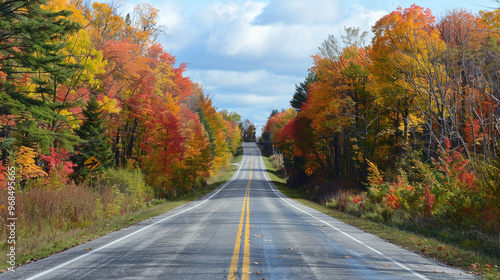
[{"x": 245, "y": 272}]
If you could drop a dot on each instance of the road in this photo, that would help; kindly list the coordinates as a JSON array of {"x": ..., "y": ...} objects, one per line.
[{"x": 245, "y": 229}]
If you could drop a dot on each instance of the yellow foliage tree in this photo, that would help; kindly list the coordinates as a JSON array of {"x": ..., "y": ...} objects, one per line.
[{"x": 26, "y": 164}]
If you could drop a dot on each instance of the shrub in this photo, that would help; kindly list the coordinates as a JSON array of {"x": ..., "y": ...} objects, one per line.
[
  {"x": 456, "y": 190},
  {"x": 347, "y": 200},
  {"x": 58, "y": 167},
  {"x": 128, "y": 186},
  {"x": 489, "y": 191}
]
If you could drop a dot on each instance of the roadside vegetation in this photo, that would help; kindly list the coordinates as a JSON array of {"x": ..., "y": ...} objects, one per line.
[
  {"x": 54, "y": 220},
  {"x": 472, "y": 251}
]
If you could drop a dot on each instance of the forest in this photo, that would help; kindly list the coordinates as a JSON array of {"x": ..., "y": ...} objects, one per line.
[
  {"x": 404, "y": 128},
  {"x": 78, "y": 80}
]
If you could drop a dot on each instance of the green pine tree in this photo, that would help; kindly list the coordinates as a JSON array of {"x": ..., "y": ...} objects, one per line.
[
  {"x": 31, "y": 40},
  {"x": 300, "y": 95},
  {"x": 95, "y": 142}
]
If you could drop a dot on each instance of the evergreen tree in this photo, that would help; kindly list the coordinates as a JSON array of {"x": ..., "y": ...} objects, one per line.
[
  {"x": 95, "y": 142},
  {"x": 30, "y": 44},
  {"x": 31, "y": 40},
  {"x": 300, "y": 95},
  {"x": 273, "y": 113}
]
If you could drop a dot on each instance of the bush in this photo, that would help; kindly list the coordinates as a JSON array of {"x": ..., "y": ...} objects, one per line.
[
  {"x": 347, "y": 200},
  {"x": 128, "y": 186}
]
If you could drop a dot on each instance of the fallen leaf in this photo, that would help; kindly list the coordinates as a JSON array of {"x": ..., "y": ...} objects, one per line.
[
  {"x": 258, "y": 235},
  {"x": 314, "y": 238},
  {"x": 489, "y": 265},
  {"x": 259, "y": 272},
  {"x": 346, "y": 257},
  {"x": 87, "y": 249},
  {"x": 441, "y": 248},
  {"x": 255, "y": 262},
  {"x": 423, "y": 250},
  {"x": 386, "y": 265},
  {"x": 196, "y": 233}
]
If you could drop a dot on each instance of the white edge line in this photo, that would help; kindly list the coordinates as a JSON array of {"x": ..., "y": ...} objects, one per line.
[
  {"x": 135, "y": 232},
  {"x": 266, "y": 176}
]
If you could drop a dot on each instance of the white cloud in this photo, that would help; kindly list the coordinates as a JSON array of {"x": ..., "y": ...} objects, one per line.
[
  {"x": 171, "y": 14},
  {"x": 258, "y": 82},
  {"x": 362, "y": 17},
  {"x": 245, "y": 100},
  {"x": 222, "y": 78},
  {"x": 303, "y": 12}
]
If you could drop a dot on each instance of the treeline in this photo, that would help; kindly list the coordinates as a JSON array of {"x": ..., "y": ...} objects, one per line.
[
  {"x": 79, "y": 80},
  {"x": 421, "y": 102}
]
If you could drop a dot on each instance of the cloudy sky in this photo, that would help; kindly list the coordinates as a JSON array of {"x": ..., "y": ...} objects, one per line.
[{"x": 249, "y": 54}]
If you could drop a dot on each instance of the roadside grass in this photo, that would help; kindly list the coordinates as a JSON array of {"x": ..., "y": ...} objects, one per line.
[
  {"x": 472, "y": 261},
  {"x": 47, "y": 239}
]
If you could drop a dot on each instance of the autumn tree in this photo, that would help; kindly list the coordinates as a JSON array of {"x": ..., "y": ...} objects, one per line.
[
  {"x": 197, "y": 149},
  {"x": 249, "y": 131},
  {"x": 26, "y": 165},
  {"x": 341, "y": 107},
  {"x": 412, "y": 52}
]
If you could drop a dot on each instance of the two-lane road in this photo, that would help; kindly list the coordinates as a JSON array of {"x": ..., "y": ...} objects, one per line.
[{"x": 246, "y": 229}]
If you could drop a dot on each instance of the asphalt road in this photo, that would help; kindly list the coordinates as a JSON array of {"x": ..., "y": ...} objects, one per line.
[{"x": 246, "y": 229}]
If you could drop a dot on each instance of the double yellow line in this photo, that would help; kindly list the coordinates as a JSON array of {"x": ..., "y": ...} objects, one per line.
[{"x": 245, "y": 212}]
